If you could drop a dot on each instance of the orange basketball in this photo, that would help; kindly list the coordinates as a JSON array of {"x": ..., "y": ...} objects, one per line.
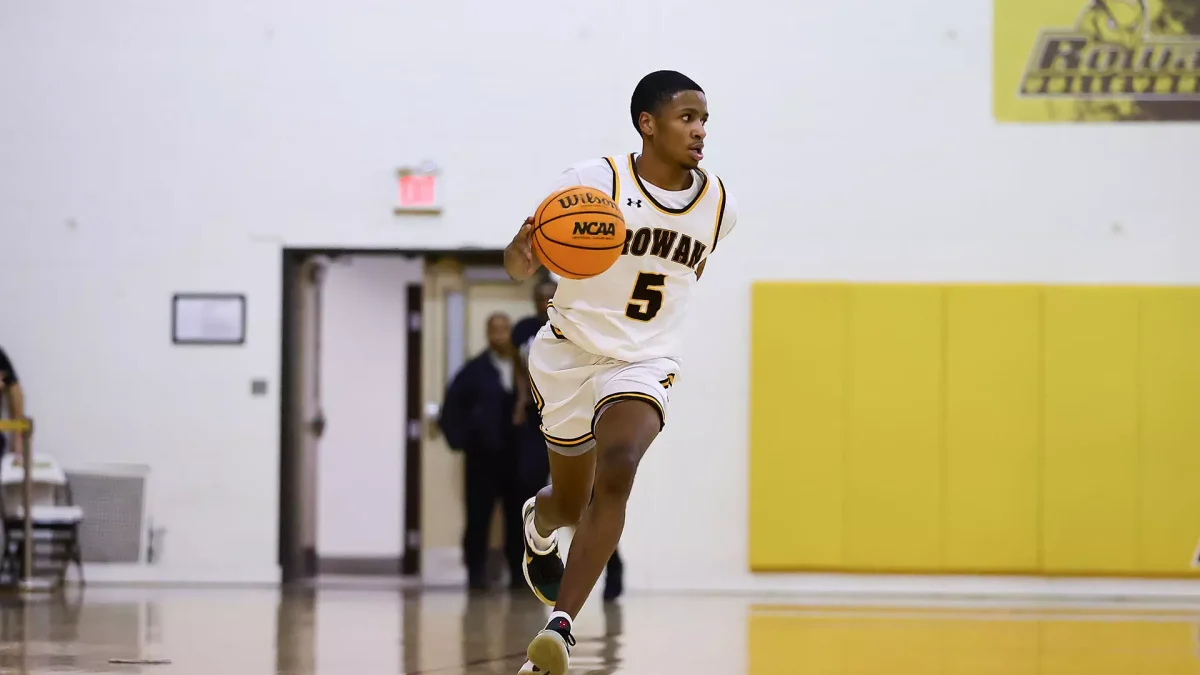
[{"x": 578, "y": 232}]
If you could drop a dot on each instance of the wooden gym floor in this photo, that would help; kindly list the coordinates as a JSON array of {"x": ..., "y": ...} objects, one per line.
[{"x": 356, "y": 628}]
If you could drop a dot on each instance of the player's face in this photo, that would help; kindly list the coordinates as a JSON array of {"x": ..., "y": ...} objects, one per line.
[{"x": 679, "y": 128}]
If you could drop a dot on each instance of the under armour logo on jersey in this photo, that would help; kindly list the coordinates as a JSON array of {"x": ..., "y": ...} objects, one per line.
[{"x": 631, "y": 202}]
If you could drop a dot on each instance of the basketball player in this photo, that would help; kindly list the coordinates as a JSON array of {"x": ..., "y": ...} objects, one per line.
[{"x": 602, "y": 367}]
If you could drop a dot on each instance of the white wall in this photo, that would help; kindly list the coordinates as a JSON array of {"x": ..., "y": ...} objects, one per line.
[
  {"x": 360, "y": 459},
  {"x": 149, "y": 148}
]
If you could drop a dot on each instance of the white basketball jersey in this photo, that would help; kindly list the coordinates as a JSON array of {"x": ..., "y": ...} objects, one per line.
[{"x": 635, "y": 310}]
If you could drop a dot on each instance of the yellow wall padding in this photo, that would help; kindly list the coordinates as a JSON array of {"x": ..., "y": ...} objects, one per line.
[
  {"x": 892, "y": 468},
  {"x": 1169, "y": 426},
  {"x": 1090, "y": 437},
  {"x": 807, "y": 413},
  {"x": 992, "y": 425},
  {"x": 975, "y": 429}
]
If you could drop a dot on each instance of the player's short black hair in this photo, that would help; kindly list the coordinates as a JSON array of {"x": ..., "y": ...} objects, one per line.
[{"x": 656, "y": 89}]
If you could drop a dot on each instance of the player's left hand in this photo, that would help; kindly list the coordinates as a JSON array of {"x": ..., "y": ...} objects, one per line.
[{"x": 524, "y": 262}]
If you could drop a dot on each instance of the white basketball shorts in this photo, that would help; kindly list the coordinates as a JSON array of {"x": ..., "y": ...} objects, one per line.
[{"x": 572, "y": 387}]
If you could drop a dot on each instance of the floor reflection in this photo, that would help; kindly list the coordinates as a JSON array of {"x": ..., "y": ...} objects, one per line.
[
  {"x": 1044, "y": 641},
  {"x": 395, "y": 631}
]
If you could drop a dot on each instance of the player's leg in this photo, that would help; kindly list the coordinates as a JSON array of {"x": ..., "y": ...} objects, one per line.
[
  {"x": 628, "y": 417},
  {"x": 614, "y": 575},
  {"x": 556, "y": 506},
  {"x": 623, "y": 434},
  {"x": 562, "y": 502},
  {"x": 559, "y": 372}
]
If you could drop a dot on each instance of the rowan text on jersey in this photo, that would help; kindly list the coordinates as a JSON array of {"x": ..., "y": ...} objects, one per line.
[{"x": 660, "y": 242}]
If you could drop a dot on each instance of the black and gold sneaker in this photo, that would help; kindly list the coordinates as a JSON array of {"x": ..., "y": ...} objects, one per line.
[
  {"x": 543, "y": 569},
  {"x": 550, "y": 651}
]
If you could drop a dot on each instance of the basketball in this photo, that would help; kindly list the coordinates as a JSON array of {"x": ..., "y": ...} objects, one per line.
[{"x": 578, "y": 232}]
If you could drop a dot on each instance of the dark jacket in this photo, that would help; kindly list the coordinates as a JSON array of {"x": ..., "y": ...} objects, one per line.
[
  {"x": 523, "y": 334},
  {"x": 477, "y": 414}
]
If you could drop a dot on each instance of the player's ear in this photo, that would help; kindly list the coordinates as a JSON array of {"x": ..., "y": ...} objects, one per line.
[{"x": 646, "y": 123}]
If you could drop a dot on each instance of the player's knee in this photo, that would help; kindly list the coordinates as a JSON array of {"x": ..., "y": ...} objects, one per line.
[{"x": 615, "y": 469}]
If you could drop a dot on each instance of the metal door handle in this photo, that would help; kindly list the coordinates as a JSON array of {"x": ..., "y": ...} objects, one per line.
[{"x": 316, "y": 426}]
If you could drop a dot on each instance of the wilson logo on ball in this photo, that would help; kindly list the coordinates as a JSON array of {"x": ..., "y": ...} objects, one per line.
[
  {"x": 587, "y": 198},
  {"x": 595, "y": 229}
]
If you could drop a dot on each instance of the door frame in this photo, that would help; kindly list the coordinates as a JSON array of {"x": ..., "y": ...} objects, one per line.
[
  {"x": 410, "y": 562},
  {"x": 293, "y": 559}
]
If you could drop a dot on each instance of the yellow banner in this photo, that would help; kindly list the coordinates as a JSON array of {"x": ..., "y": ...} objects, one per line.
[{"x": 1096, "y": 60}]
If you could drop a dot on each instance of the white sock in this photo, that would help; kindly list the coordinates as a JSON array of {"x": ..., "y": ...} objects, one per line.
[
  {"x": 562, "y": 615},
  {"x": 540, "y": 544}
]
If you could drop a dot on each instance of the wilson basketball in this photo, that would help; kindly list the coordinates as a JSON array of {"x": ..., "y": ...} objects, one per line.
[{"x": 578, "y": 232}]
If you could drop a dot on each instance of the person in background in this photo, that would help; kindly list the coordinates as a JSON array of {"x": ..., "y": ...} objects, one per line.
[
  {"x": 12, "y": 394},
  {"x": 476, "y": 419},
  {"x": 534, "y": 461}
]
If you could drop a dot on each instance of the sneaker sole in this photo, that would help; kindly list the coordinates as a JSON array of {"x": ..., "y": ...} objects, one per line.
[
  {"x": 528, "y": 582},
  {"x": 548, "y": 652}
]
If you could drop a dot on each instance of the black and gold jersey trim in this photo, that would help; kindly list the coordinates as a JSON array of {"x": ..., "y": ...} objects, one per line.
[
  {"x": 569, "y": 442},
  {"x": 701, "y": 176},
  {"x": 720, "y": 215},
  {"x": 632, "y": 396},
  {"x": 616, "y": 191}
]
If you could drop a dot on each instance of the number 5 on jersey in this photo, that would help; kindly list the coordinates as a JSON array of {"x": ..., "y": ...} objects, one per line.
[{"x": 647, "y": 297}]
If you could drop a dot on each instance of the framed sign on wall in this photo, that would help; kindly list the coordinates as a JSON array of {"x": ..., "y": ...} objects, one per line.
[
  {"x": 208, "y": 319},
  {"x": 1096, "y": 61}
]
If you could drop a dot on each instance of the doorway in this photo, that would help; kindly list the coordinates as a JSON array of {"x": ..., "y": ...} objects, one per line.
[
  {"x": 370, "y": 340},
  {"x": 458, "y": 298}
]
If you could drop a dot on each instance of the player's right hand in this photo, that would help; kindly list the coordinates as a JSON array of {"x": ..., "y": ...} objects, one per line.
[{"x": 523, "y": 263}]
